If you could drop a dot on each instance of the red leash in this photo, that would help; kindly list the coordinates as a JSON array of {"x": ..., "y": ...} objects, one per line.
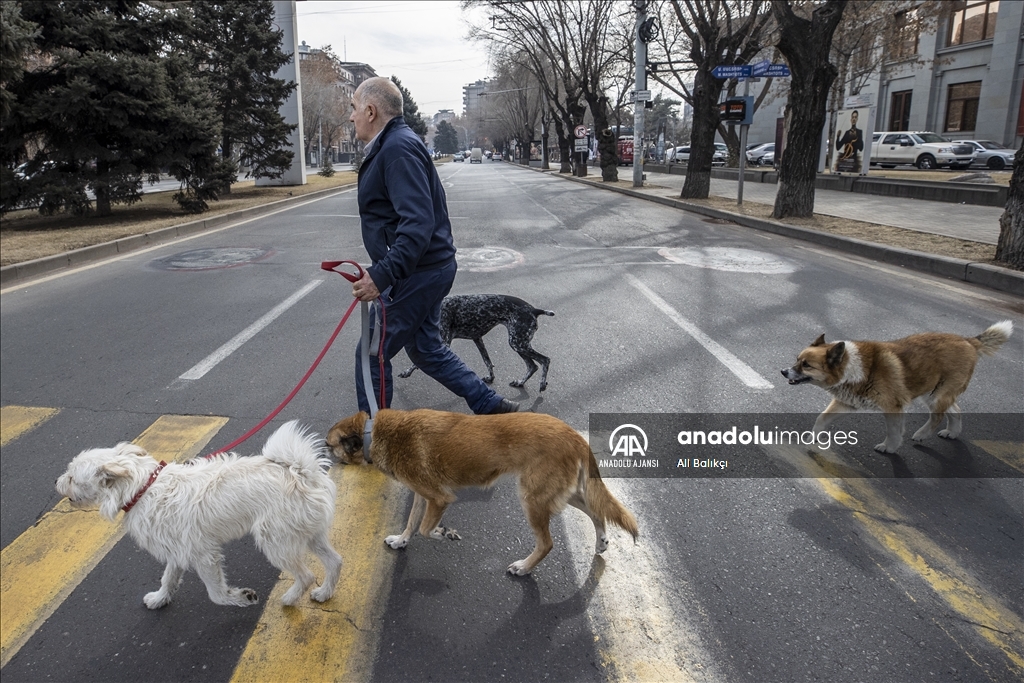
[{"x": 326, "y": 265}]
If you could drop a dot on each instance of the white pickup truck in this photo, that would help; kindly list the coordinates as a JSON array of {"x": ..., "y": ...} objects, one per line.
[{"x": 922, "y": 149}]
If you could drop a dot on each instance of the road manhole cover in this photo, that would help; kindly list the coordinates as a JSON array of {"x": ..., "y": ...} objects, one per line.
[
  {"x": 483, "y": 259},
  {"x": 732, "y": 259},
  {"x": 211, "y": 259}
]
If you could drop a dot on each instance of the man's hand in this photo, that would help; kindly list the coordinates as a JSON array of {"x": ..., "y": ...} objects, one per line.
[{"x": 364, "y": 289}]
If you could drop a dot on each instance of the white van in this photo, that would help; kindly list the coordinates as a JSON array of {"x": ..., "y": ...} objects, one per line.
[{"x": 476, "y": 156}]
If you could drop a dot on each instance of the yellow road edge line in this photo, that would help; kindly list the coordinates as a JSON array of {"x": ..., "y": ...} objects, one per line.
[
  {"x": 955, "y": 585},
  {"x": 41, "y": 567},
  {"x": 17, "y": 420},
  {"x": 336, "y": 640},
  {"x": 1010, "y": 452}
]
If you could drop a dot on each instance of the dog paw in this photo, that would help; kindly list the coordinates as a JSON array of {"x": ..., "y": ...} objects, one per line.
[
  {"x": 450, "y": 534},
  {"x": 602, "y": 544},
  {"x": 249, "y": 596},
  {"x": 487, "y": 380},
  {"x": 321, "y": 594},
  {"x": 405, "y": 374},
  {"x": 543, "y": 386},
  {"x": 885, "y": 448},
  {"x": 156, "y": 599},
  {"x": 515, "y": 383},
  {"x": 947, "y": 434},
  {"x": 518, "y": 568},
  {"x": 396, "y": 542}
]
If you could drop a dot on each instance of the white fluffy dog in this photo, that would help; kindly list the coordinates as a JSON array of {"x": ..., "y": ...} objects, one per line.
[{"x": 183, "y": 513}]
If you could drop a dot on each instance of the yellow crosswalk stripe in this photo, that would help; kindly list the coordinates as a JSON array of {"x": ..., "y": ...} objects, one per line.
[
  {"x": 954, "y": 584},
  {"x": 336, "y": 640},
  {"x": 40, "y": 568},
  {"x": 1010, "y": 452},
  {"x": 16, "y": 420}
]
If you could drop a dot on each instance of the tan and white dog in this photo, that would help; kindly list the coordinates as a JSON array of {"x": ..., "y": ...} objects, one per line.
[
  {"x": 888, "y": 376},
  {"x": 435, "y": 453},
  {"x": 182, "y": 513}
]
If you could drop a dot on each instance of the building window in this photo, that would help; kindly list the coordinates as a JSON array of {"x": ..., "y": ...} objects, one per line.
[
  {"x": 962, "y": 107},
  {"x": 973, "y": 20},
  {"x": 908, "y": 30},
  {"x": 899, "y": 112}
]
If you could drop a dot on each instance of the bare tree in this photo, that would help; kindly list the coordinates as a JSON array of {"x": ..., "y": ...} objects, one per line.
[
  {"x": 806, "y": 43},
  {"x": 569, "y": 51},
  {"x": 514, "y": 102},
  {"x": 710, "y": 33}
]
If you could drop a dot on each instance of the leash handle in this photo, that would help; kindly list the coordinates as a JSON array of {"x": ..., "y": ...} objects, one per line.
[{"x": 333, "y": 265}]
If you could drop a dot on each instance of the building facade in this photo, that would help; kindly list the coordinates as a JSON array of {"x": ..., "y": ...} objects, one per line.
[
  {"x": 962, "y": 81},
  {"x": 472, "y": 103}
]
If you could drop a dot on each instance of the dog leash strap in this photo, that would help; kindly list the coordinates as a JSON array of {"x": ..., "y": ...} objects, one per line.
[{"x": 371, "y": 400}]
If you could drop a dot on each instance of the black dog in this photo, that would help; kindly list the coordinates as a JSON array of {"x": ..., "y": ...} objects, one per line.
[{"x": 471, "y": 316}]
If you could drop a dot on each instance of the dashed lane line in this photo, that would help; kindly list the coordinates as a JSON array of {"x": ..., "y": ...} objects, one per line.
[
  {"x": 41, "y": 568},
  {"x": 744, "y": 372}
]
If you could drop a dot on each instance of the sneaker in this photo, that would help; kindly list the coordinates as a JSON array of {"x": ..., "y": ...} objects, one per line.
[{"x": 506, "y": 406}]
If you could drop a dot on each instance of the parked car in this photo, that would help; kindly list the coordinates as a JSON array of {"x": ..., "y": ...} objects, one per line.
[
  {"x": 681, "y": 155},
  {"x": 754, "y": 156},
  {"x": 921, "y": 148},
  {"x": 991, "y": 154},
  {"x": 496, "y": 156},
  {"x": 625, "y": 150},
  {"x": 767, "y": 159},
  {"x": 458, "y": 156}
]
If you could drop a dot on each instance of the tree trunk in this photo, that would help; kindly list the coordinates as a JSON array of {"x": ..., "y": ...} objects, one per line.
[
  {"x": 706, "y": 89},
  {"x": 606, "y": 146},
  {"x": 564, "y": 154},
  {"x": 1010, "y": 248},
  {"x": 102, "y": 188},
  {"x": 806, "y": 46},
  {"x": 226, "y": 151}
]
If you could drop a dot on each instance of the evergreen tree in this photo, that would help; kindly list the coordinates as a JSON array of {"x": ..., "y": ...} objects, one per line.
[
  {"x": 411, "y": 111},
  {"x": 239, "y": 51},
  {"x": 95, "y": 109},
  {"x": 447, "y": 139}
]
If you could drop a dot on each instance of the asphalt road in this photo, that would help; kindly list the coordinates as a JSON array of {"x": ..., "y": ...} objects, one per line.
[{"x": 839, "y": 566}]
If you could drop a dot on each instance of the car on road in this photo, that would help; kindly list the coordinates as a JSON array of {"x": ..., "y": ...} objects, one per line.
[
  {"x": 923, "y": 149},
  {"x": 476, "y": 156},
  {"x": 458, "y": 156},
  {"x": 754, "y": 156},
  {"x": 991, "y": 154}
]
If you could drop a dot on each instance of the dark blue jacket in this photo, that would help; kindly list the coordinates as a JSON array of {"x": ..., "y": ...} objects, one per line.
[{"x": 402, "y": 207}]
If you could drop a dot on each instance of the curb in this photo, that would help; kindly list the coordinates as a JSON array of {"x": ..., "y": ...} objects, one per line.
[
  {"x": 20, "y": 272},
  {"x": 984, "y": 274}
]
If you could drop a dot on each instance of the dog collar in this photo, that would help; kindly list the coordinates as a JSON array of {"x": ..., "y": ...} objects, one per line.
[
  {"x": 367, "y": 439},
  {"x": 145, "y": 487}
]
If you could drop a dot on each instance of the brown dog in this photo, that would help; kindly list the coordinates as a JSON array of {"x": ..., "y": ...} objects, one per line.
[
  {"x": 888, "y": 376},
  {"x": 435, "y": 453}
]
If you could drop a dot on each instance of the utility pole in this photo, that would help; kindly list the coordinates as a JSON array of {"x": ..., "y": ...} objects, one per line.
[
  {"x": 544, "y": 133},
  {"x": 638, "y": 105}
]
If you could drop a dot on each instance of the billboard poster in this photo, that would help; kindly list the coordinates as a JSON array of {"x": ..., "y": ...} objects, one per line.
[{"x": 852, "y": 150}]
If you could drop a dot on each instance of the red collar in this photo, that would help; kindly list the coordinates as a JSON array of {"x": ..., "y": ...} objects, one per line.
[{"x": 131, "y": 503}]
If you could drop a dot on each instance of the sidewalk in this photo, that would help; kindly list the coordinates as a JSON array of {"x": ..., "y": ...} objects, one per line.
[{"x": 962, "y": 221}]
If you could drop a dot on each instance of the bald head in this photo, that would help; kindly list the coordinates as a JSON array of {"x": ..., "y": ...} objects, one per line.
[{"x": 383, "y": 94}]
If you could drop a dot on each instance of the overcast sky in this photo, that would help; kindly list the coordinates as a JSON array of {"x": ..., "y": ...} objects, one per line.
[{"x": 423, "y": 43}]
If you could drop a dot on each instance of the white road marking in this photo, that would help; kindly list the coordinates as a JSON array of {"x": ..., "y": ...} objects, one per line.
[
  {"x": 208, "y": 363},
  {"x": 744, "y": 372}
]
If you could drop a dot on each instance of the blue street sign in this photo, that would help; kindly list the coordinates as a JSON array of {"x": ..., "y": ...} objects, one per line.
[
  {"x": 724, "y": 71},
  {"x": 759, "y": 68},
  {"x": 777, "y": 71}
]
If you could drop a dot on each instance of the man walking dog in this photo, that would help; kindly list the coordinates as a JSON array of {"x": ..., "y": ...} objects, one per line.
[{"x": 407, "y": 233}]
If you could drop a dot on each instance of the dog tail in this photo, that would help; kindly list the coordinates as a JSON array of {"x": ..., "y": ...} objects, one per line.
[
  {"x": 294, "y": 446},
  {"x": 989, "y": 341},
  {"x": 603, "y": 504},
  {"x": 541, "y": 311}
]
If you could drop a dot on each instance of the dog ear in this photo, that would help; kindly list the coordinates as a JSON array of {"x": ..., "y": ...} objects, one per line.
[
  {"x": 820, "y": 341},
  {"x": 835, "y": 354},
  {"x": 111, "y": 472},
  {"x": 125, "y": 448}
]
